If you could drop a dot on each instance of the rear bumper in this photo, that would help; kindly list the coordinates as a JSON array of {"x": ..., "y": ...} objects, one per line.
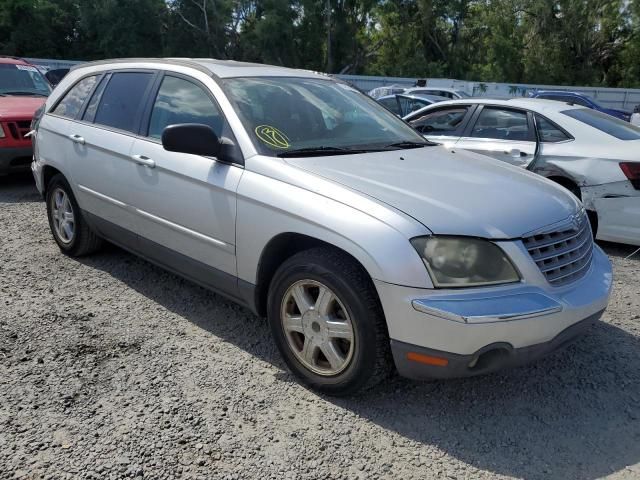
[
  {"x": 15, "y": 159},
  {"x": 496, "y": 356}
]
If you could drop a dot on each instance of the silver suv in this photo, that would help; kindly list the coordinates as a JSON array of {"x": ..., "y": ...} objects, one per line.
[{"x": 295, "y": 195}]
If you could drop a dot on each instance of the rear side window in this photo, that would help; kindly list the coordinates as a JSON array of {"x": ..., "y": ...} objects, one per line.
[
  {"x": 549, "y": 131},
  {"x": 502, "y": 124},
  {"x": 181, "y": 101},
  {"x": 440, "y": 122},
  {"x": 72, "y": 102},
  {"x": 605, "y": 123},
  {"x": 120, "y": 103}
]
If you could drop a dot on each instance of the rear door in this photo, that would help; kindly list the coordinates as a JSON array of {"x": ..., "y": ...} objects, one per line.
[
  {"x": 186, "y": 204},
  {"x": 506, "y": 134},
  {"x": 53, "y": 142},
  {"x": 443, "y": 125},
  {"x": 102, "y": 145}
]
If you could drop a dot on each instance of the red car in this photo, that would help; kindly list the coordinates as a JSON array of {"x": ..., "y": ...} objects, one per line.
[{"x": 23, "y": 89}]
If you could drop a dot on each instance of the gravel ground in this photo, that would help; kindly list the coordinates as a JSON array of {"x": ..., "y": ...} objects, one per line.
[{"x": 113, "y": 368}]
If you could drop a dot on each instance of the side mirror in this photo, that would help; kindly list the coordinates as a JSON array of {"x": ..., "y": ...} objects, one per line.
[{"x": 193, "y": 138}]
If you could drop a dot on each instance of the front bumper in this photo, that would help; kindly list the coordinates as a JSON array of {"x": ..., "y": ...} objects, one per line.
[
  {"x": 15, "y": 159},
  {"x": 453, "y": 333}
]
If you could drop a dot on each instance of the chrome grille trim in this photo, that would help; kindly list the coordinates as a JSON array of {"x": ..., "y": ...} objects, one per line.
[{"x": 563, "y": 256}]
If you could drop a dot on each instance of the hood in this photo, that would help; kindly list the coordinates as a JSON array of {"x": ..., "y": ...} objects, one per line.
[
  {"x": 452, "y": 192},
  {"x": 19, "y": 107}
]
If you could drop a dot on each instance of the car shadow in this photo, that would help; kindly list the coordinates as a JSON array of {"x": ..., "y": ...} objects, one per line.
[
  {"x": 620, "y": 250},
  {"x": 18, "y": 188},
  {"x": 572, "y": 415}
]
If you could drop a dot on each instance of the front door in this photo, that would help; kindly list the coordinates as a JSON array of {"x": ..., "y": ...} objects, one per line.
[
  {"x": 505, "y": 134},
  {"x": 442, "y": 125},
  {"x": 186, "y": 204}
]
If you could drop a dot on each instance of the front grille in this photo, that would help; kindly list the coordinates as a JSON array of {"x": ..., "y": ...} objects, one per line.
[
  {"x": 19, "y": 129},
  {"x": 563, "y": 256}
]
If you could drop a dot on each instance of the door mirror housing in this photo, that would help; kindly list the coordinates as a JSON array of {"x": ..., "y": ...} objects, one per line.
[{"x": 193, "y": 138}]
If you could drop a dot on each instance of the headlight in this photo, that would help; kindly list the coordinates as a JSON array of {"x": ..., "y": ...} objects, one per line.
[
  {"x": 464, "y": 262},
  {"x": 1, "y": 132}
]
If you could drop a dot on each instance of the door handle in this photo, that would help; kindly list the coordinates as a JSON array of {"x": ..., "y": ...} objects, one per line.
[
  {"x": 77, "y": 139},
  {"x": 142, "y": 160}
]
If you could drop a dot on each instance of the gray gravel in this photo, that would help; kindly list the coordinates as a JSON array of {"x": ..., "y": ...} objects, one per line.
[{"x": 113, "y": 368}]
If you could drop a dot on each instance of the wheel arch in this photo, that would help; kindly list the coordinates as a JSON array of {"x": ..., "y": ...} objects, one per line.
[
  {"x": 277, "y": 250},
  {"x": 48, "y": 172},
  {"x": 567, "y": 183}
]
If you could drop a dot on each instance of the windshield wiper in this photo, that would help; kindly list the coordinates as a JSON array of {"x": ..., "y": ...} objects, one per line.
[
  {"x": 318, "y": 151},
  {"x": 409, "y": 144}
]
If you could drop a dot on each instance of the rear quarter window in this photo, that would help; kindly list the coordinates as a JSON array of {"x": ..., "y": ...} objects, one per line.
[
  {"x": 72, "y": 102},
  {"x": 605, "y": 123}
]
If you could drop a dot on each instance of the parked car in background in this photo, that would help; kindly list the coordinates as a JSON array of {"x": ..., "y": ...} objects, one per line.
[
  {"x": 55, "y": 76},
  {"x": 379, "y": 92},
  {"x": 581, "y": 100},
  {"x": 635, "y": 118},
  {"x": 310, "y": 203},
  {"x": 23, "y": 90},
  {"x": 402, "y": 104},
  {"x": 448, "y": 93},
  {"x": 594, "y": 155}
]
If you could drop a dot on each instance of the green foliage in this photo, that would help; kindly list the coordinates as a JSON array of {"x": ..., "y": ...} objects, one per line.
[{"x": 589, "y": 42}]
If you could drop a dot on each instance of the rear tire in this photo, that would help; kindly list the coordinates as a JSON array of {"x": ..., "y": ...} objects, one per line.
[
  {"x": 347, "y": 322},
  {"x": 68, "y": 227}
]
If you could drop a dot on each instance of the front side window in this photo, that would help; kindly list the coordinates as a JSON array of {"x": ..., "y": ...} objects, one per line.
[
  {"x": 391, "y": 103},
  {"x": 502, "y": 124},
  {"x": 409, "y": 104},
  {"x": 284, "y": 114},
  {"x": 23, "y": 80},
  {"x": 121, "y": 100},
  {"x": 72, "y": 102},
  {"x": 549, "y": 132},
  {"x": 605, "y": 123},
  {"x": 181, "y": 101},
  {"x": 440, "y": 122}
]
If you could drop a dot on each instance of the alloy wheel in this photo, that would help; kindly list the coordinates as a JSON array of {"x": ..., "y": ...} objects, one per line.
[
  {"x": 62, "y": 216},
  {"x": 318, "y": 328}
]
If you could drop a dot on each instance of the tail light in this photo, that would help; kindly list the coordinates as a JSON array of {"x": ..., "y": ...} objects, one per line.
[{"x": 632, "y": 171}]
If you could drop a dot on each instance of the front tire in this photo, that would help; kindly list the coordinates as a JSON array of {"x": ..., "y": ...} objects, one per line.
[
  {"x": 69, "y": 228},
  {"x": 327, "y": 322}
]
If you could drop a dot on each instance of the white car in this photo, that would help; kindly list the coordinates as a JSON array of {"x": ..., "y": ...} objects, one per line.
[
  {"x": 308, "y": 202},
  {"x": 450, "y": 93},
  {"x": 594, "y": 155}
]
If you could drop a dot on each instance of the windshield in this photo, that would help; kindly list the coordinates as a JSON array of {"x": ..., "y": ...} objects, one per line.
[
  {"x": 463, "y": 94},
  {"x": 605, "y": 123},
  {"x": 22, "y": 80},
  {"x": 284, "y": 115}
]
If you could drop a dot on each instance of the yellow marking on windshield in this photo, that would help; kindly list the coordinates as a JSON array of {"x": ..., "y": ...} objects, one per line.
[{"x": 272, "y": 136}]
